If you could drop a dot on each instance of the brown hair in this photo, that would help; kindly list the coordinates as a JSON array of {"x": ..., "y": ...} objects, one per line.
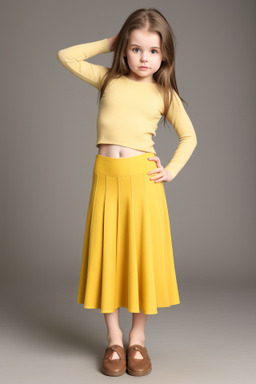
[{"x": 150, "y": 20}]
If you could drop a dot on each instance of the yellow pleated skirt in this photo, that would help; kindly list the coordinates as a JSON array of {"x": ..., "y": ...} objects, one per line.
[{"x": 127, "y": 258}]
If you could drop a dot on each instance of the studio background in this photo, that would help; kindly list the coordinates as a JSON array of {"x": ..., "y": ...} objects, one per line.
[{"x": 48, "y": 136}]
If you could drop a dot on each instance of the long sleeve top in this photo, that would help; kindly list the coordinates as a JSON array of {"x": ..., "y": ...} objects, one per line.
[{"x": 129, "y": 110}]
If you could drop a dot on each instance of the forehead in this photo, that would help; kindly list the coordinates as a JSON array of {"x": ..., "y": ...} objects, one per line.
[{"x": 144, "y": 38}]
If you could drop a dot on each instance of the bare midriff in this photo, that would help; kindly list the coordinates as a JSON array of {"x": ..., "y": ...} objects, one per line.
[{"x": 113, "y": 150}]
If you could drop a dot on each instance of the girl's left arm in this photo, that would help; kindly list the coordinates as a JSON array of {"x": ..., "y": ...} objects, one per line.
[{"x": 183, "y": 126}]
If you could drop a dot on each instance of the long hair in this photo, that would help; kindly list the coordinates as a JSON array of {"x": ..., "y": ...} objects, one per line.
[{"x": 150, "y": 20}]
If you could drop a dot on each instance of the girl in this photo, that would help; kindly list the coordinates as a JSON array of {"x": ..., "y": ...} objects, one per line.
[{"x": 127, "y": 258}]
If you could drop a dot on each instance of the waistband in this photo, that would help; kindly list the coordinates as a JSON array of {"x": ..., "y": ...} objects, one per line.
[{"x": 124, "y": 166}]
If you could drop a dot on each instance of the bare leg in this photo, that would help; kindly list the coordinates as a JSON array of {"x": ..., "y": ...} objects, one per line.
[
  {"x": 137, "y": 333},
  {"x": 114, "y": 333}
]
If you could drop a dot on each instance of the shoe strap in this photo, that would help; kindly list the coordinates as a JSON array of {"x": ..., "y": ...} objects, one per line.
[
  {"x": 117, "y": 348},
  {"x": 137, "y": 347}
]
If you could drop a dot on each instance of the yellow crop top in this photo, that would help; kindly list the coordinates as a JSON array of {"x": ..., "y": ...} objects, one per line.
[{"x": 129, "y": 110}]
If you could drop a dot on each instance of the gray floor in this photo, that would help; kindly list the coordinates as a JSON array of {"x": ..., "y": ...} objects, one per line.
[{"x": 208, "y": 338}]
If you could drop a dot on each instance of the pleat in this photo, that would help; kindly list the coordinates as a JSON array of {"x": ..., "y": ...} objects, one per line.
[
  {"x": 108, "y": 292},
  {"x": 127, "y": 268},
  {"x": 160, "y": 254},
  {"x": 167, "y": 249},
  {"x": 94, "y": 275},
  {"x": 145, "y": 246},
  {"x": 85, "y": 253}
]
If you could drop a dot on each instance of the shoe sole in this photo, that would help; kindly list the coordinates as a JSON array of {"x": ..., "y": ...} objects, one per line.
[
  {"x": 133, "y": 373},
  {"x": 109, "y": 373}
]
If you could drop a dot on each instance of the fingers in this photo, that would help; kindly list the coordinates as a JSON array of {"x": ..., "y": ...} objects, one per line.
[
  {"x": 156, "y": 170},
  {"x": 156, "y": 159},
  {"x": 159, "y": 170},
  {"x": 160, "y": 176}
]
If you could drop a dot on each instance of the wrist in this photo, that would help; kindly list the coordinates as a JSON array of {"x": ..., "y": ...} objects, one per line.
[
  {"x": 110, "y": 43},
  {"x": 169, "y": 175}
]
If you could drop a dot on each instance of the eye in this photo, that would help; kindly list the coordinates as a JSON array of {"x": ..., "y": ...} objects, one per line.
[
  {"x": 153, "y": 50},
  {"x": 135, "y": 48}
]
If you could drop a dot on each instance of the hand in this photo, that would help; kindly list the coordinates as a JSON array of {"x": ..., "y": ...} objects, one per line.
[
  {"x": 111, "y": 42},
  {"x": 162, "y": 173}
]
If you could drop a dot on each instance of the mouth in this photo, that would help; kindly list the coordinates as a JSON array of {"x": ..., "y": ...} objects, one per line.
[{"x": 143, "y": 67}]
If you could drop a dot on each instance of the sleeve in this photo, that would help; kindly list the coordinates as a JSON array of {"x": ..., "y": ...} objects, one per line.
[
  {"x": 73, "y": 58},
  {"x": 182, "y": 124}
]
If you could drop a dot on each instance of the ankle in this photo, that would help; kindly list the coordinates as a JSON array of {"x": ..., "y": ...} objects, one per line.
[
  {"x": 136, "y": 337},
  {"x": 115, "y": 337}
]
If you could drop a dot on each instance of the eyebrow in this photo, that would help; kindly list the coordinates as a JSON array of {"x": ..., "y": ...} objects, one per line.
[{"x": 136, "y": 45}]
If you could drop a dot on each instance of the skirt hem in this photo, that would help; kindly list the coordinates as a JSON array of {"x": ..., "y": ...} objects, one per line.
[{"x": 129, "y": 310}]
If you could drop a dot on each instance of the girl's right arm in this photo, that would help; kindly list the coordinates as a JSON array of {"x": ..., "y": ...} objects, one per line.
[{"x": 73, "y": 58}]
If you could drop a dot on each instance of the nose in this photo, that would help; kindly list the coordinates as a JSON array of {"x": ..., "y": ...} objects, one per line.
[{"x": 144, "y": 57}]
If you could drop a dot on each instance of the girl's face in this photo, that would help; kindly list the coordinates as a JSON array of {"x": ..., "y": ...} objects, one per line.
[{"x": 144, "y": 55}]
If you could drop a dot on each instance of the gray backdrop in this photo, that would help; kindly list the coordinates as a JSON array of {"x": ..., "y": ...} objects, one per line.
[{"x": 48, "y": 136}]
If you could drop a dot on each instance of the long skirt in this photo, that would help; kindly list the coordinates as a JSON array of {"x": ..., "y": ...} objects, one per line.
[{"x": 127, "y": 258}]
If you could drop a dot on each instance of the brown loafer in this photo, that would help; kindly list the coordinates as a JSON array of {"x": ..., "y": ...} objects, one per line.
[
  {"x": 114, "y": 367},
  {"x": 138, "y": 367}
]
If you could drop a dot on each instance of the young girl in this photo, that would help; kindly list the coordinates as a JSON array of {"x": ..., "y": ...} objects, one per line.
[{"x": 127, "y": 258}]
